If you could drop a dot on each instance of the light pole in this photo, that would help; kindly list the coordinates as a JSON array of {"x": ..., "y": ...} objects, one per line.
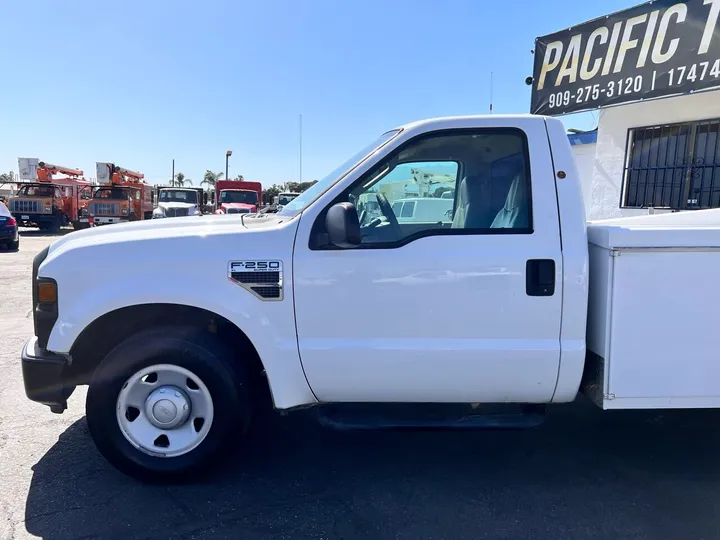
[{"x": 227, "y": 157}]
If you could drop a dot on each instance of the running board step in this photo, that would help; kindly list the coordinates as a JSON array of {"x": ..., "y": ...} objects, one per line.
[{"x": 429, "y": 416}]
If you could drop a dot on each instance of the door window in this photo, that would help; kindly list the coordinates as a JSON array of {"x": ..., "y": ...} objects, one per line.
[{"x": 452, "y": 183}]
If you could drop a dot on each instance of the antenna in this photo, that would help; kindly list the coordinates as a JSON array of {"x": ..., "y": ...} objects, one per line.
[
  {"x": 301, "y": 135},
  {"x": 491, "y": 91}
]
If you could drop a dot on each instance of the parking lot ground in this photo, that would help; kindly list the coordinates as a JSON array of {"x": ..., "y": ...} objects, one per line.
[{"x": 583, "y": 474}]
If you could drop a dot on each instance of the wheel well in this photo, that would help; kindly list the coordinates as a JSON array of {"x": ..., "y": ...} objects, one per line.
[{"x": 106, "y": 332}]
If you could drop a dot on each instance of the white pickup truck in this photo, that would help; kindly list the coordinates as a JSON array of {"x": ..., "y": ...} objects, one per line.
[{"x": 477, "y": 320}]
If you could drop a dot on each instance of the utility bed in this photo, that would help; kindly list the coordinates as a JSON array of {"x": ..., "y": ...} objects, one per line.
[{"x": 653, "y": 334}]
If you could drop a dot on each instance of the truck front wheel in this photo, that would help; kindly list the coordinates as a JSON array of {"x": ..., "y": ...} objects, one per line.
[{"x": 167, "y": 403}]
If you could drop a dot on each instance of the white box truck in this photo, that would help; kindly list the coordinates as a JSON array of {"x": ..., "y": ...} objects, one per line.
[{"x": 476, "y": 318}]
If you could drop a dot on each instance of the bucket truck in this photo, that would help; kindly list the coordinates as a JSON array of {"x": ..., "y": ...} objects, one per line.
[{"x": 48, "y": 202}]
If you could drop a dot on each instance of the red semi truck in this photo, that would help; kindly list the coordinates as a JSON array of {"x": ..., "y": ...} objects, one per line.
[{"x": 237, "y": 197}]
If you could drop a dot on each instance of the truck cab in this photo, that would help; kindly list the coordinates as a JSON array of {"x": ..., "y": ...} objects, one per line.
[
  {"x": 113, "y": 205},
  {"x": 237, "y": 197},
  {"x": 310, "y": 307},
  {"x": 178, "y": 201},
  {"x": 39, "y": 204},
  {"x": 284, "y": 198}
]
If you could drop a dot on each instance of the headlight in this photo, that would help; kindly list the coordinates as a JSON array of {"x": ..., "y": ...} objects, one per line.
[
  {"x": 47, "y": 208},
  {"x": 158, "y": 213},
  {"x": 124, "y": 211}
]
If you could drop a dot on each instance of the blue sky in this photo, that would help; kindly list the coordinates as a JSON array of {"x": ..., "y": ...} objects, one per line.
[{"x": 140, "y": 83}]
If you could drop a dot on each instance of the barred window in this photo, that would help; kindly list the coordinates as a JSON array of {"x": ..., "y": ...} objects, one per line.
[{"x": 673, "y": 166}]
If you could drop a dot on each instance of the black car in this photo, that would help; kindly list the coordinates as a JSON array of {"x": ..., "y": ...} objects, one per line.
[{"x": 9, "y": 234}]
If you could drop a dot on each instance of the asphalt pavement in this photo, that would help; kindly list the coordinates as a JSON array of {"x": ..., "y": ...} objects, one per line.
[{"x": 585, "y": 473}]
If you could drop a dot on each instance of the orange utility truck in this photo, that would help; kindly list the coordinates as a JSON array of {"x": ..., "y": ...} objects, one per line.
[
  {"x": 49, "y": 202},
  {"x": 122, "y": 195}
]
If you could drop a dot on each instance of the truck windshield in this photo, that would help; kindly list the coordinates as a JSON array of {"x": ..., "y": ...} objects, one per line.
[
  {"x": 306, "y": 197},
  {"x": 35, "y": 191},
  {"x": 286, "y": 198},
  {"x": 174, "y": 195},
  {"x": 110, "y": 193},
  {"x": 247, "y": 197}
]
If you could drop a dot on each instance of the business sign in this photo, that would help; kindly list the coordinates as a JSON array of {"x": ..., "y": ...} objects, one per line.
[{"x": 656, "y": 49}]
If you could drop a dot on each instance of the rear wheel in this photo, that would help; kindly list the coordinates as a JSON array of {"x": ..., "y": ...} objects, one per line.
[
  {"x": 167, "y": 403},
  {"x": 14, "y": 245}
]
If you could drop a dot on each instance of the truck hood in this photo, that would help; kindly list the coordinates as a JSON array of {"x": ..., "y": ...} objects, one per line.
[
  {"x": 236, "y": 205},
  {"x": 158, "y": 229},
  {"x": 174, "y": 204}
]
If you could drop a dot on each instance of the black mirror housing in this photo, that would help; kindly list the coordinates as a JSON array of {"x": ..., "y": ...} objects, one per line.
[{"x": 343, "y": 225}]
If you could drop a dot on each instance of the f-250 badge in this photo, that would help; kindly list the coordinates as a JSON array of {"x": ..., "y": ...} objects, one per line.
[{"x": 261, "y": 278}]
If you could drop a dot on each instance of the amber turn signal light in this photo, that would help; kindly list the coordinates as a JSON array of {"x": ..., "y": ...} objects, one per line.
[{"x": 47, "y": 292}]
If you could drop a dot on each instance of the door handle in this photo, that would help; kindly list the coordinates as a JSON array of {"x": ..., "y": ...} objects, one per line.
[{"x": 540, "y": 277}]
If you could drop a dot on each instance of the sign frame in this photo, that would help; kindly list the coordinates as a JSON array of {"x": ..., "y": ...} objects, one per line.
[{"x": 658, "y": 49}]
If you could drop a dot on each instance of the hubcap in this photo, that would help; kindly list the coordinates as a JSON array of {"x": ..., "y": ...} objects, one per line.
[
  {"x": 167, "y": 407},
  {"x": 164, "y": 410}
]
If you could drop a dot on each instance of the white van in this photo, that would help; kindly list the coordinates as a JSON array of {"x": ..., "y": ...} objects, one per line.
[{"x": 423, "y": 210}]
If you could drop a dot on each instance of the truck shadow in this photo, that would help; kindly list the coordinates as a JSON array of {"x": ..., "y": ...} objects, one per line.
[{"x": 584, "y": 473}]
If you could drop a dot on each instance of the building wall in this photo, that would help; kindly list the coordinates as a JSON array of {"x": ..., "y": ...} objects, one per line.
[{"x": 603, "y": 199}]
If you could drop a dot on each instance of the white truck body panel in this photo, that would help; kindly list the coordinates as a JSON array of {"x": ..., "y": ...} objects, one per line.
[
  {"x": 160, "y": 261},
  {"x": 653, "y": 311}
]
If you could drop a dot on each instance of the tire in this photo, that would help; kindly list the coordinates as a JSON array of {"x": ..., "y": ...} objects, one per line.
[
  {"x": 180, "y": 348},
  {"x": 55, "y": 225},
  {"x": 14, "y": 245}
]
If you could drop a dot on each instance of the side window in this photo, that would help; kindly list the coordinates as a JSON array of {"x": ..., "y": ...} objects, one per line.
[
  {"x": 469, "y": 182},
  {"x": 58, "y": 193},
  {"x": 407, "y": 209}
]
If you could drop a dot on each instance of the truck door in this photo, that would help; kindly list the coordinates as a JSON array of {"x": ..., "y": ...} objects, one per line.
[
  {"x": 466, "y": 308},
  {"x": 84, "y": 194}
]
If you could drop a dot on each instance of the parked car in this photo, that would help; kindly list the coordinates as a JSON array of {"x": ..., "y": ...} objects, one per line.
[
  {"x": 515, "y": 305},
  {"x": 9, "y": 233}
]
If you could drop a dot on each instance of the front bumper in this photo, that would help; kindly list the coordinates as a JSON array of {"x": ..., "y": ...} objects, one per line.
[
  {"x": 33, "y": 218},
  {"x": 104, "y": 220},
  {"x": 43, "y": 376}
]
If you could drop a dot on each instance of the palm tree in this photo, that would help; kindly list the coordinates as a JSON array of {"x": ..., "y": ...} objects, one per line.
[
  {"x": 211, "y": 178},
  {"x": 180, "y": 180}
]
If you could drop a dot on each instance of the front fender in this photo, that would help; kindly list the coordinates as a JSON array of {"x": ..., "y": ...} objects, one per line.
[{"x": 270, "y": 326}]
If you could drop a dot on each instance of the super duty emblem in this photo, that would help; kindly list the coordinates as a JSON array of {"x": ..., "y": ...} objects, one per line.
[{"x": 261, "y": 278}]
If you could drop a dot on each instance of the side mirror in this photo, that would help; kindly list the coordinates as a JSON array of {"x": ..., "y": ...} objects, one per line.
[
  {"x": 205, "y": 197},
  {"x": 343, "y": 225}
]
